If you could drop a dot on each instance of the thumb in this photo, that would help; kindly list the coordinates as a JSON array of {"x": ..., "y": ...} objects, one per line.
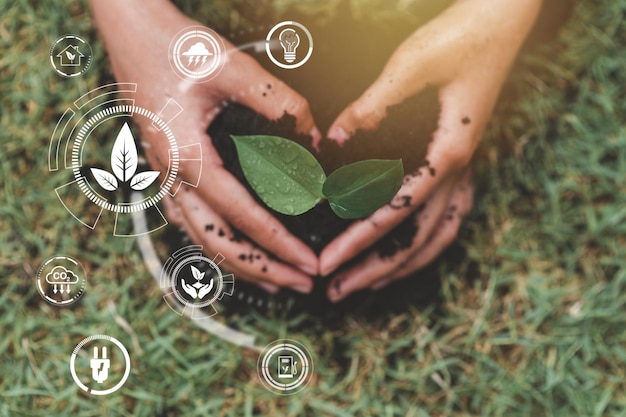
[
  {"x": 406, "y": 73},
  {"x": 269, "y": 96},
  {"x": 367, "y": 111}
]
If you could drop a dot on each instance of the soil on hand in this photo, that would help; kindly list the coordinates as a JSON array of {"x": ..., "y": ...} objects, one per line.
[{"x": 345, "y": 61}]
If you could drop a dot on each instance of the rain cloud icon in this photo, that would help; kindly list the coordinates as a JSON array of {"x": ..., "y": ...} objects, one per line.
[{"x": 197, "y": 51}]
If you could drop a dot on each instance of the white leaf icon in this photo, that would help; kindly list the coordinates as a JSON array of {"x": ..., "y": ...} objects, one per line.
[
  {"x": 196, "y": 273},
  {"x": 106, "y": 180},
  {"x": 143, "y": 180},
  {"x": 124, "y": 155}
]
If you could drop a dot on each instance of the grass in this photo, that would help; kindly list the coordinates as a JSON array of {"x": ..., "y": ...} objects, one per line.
[{"x": 530, "y": 323}]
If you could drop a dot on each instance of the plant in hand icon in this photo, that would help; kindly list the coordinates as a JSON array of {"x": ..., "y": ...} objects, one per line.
[{"x": 198, "y": 290}]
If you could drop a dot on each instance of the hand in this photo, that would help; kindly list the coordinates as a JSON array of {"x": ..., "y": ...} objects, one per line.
[
  {"x": 189, "y": 289},
  {"x": 205, "y": 289},
  {"x": 137, "y": 36},
  {"x": 467, "y": 52},
  {"x": 200, "y": 293}
]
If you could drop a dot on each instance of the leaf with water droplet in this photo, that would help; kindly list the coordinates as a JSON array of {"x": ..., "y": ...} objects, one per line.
[
  {"x": 270, "y": 164},
  {"x": 359, "y": 189}
]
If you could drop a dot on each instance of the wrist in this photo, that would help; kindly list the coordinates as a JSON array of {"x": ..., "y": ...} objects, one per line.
[{"x": 123, "y": 21}]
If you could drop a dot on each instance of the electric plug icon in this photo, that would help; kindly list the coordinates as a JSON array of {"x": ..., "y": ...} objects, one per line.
[{"x": 100, "y": 366}]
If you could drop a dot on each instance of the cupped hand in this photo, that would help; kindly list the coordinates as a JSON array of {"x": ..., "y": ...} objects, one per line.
[
  {"x": 137, "y": 37},
  {"x": 467, "y": 52}
]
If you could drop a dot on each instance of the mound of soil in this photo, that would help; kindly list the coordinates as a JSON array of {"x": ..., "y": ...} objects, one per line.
[{"x": 346, "y": 60}]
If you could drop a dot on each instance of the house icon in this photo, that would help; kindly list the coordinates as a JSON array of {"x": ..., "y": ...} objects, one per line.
[{"x": 70, "y": 56}]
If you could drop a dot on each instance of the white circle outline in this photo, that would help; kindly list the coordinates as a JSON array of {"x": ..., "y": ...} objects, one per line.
[
  {"x": 269, "y": 37},
  {"x": 186, "y": 261},
  {"x": 177, "y": 54},
  {"x": 279, "y": 348},
  {"x": 83, "y": 134},
  {"x": 306, "y": 368},
  {"x": 83, "y": 70},
  {"x": 73, "y": 364},
  {"x": 208, "y": 35},
  {"x": 80, "y": 292}
]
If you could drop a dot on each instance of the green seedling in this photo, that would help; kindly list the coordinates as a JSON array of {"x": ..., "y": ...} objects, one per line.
[{"x": 289, "y": 179}]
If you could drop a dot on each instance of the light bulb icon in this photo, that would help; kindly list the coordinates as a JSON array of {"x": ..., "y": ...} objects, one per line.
[
  {"x": 289, "y": 34},
  {"x": 289, "y": 40}
]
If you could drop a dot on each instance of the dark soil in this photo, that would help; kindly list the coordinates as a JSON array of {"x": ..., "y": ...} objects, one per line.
[
  {"x": 320, "y": 225},
  {"x": 346, "y": 60},
  {"x": 340, "y": 69}
]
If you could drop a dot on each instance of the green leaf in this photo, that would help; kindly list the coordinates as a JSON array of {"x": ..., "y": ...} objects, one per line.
[
  {"x": 357, "y": 190},
  {"x": 284, "y": 174}
]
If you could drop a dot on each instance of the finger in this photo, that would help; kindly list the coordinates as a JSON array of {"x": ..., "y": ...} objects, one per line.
[
  {"x": 442, "y": 238},
  {"x": 454, "y": 142},
  {"x": 175, "y": 215},
  {"x": 460, "y": 206},
  {"x": 254, "y": 87},
  {"x": 173, "y": 211},
  {"x": 375, "y": 266},
  {"x": 404, "y": 75},
  {"x": 415, "y": 64},
  {"x": 364, "y": 113},
  {"x": 194, "y": 236},
  {"x": 271, "y": 288},
  {"x": 430, "y": 56},
  {"x": 227, "y": 196},
  {"x": 246, "y": 260}
]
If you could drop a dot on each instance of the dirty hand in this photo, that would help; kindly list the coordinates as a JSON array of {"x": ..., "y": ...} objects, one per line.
[
  {"x": 137, "y": 37},
  {"x": 466, "y": 51}
]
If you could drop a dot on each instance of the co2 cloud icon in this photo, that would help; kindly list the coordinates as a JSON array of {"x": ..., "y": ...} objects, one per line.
[
  {"x": 61, "y": 275},
  {"x": 61, "y": 280}
]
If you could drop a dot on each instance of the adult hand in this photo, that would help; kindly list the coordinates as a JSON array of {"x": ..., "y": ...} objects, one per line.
[
  {"x": 467, "y": 52},
  {"x": 137, "y": 36}
]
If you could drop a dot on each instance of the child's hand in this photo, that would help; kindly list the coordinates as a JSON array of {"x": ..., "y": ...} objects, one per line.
[
  {"x": 466, "y": 51},
  {"x": 137, "y": 36}
]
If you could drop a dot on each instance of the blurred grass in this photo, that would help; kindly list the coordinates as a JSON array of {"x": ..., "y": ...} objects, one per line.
[{"x": 539, "y": 331}]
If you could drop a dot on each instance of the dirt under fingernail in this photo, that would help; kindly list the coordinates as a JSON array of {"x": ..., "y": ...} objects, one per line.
[{"x": 408, "y": 125}]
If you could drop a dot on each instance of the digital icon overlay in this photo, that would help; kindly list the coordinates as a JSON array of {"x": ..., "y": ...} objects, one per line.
[
  {"x": 196, "y": 54},
  {"x": 94, "y": 140},
  {"x": 70, "y": 56},
  {"x": 289, "y": 44},
  {"x": 285, "y": 367},
  {"x": 61, "y": 280},
  {"x": 97, "y": 362},
  {"x": 99, "y": 365},
  {"x": 192, "y": 282},
  {"x": 124, "y": 165}
]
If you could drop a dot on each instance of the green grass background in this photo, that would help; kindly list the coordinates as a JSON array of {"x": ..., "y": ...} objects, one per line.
[{"x": 539, "y": 332}]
